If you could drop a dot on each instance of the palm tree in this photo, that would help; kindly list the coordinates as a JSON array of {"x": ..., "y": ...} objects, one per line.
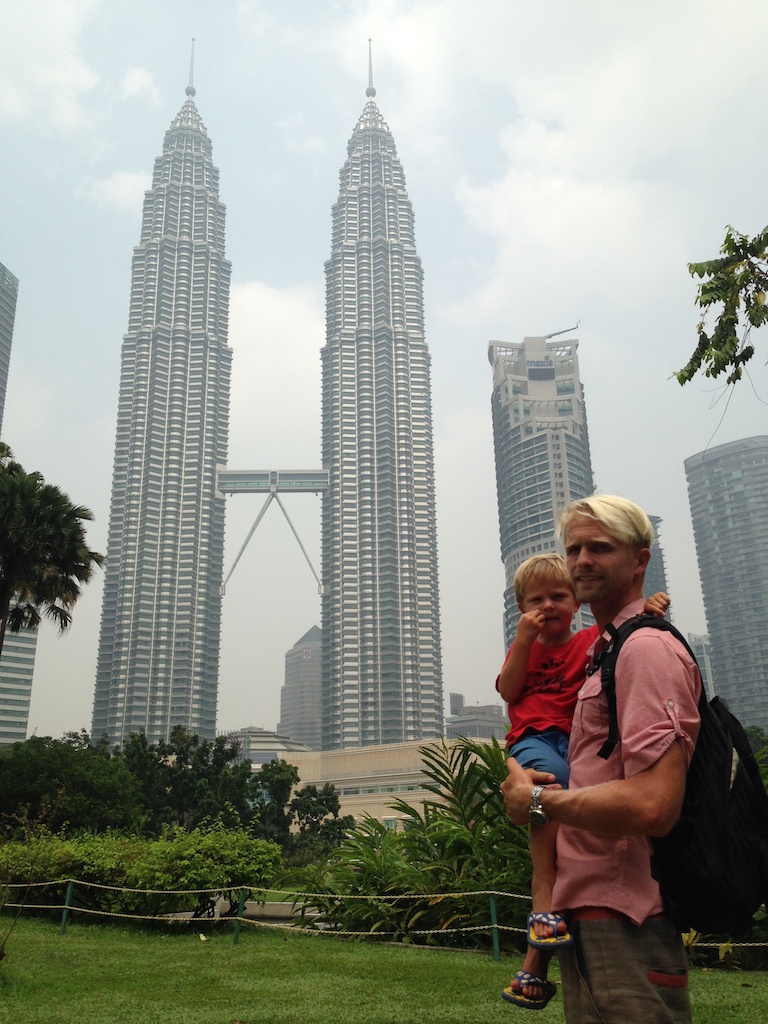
[{"x": 43, "y": 554}]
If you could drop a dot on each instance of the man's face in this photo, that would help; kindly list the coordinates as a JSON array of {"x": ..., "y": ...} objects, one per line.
[{"x": 606, "y": 573}]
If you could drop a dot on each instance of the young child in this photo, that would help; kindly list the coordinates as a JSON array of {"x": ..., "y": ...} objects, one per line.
[{"x": 543, "y": 672}]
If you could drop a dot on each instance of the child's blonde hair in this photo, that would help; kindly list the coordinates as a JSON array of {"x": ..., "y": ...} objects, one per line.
[{"x": 540, "y": 567}]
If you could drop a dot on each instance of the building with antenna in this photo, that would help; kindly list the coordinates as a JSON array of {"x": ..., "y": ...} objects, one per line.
[
  {"x": 158, "y": 655},
  {"x": 382, "y": 673},
  {"x": 541, "y": 446}
]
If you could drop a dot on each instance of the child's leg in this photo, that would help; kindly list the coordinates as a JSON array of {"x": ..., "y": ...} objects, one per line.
[
  {"x": 536, "y": 962},
  {"x": 543, "y": 858}
]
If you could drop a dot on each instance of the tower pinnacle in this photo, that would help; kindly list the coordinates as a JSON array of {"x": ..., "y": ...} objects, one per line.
[
  {"x": 370, "y": 91},
  {"x": 190, "y": 90}
]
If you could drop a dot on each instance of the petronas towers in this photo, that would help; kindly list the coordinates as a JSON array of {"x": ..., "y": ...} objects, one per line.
[
  {"x": 159, "y": 643},
  {"x": 381, "y": 632}
]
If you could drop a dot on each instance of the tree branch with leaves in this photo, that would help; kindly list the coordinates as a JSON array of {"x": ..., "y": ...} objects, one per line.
[{"x": 736, "y": 285}]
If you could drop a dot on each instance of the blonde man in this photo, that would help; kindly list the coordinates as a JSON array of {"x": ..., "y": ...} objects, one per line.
[{"x": 626, "y": 962}]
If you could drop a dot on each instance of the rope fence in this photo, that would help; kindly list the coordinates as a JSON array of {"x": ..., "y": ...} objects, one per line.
[{"x": 258, "y": 896}]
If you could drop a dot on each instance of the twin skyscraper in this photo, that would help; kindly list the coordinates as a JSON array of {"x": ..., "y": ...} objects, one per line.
[{"x": 158, "y": 659}]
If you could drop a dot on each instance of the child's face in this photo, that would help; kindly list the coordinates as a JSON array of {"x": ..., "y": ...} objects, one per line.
[{"x": 556, "y": 602}]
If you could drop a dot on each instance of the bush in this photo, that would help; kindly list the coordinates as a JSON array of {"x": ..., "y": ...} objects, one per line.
[
  {"x": 461, "y": 842},
  {"x": 210, "y": 857}
]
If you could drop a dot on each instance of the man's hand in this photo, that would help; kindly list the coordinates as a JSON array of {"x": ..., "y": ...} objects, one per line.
[{"x": 516, "y": 789}]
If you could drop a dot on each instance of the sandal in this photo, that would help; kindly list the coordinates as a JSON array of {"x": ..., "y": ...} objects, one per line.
[
  {"x": 556, "y": 939},
  {"x": 524, "y": 978}
]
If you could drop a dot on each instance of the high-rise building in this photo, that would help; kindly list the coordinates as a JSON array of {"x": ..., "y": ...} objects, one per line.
[
  {"x": 382, "y": 673},
  {"x": 17, "y": 660},
  {"x": 656, "y": 570},
  {"x": 541, "y": 445},
  {"x": 300, "y": 695},
  {"x": 160, "y": 627},
  {"x": 9, "y": 289},
  {"x": 728, "y": 495},
  {"x": 702, "y": 649}
]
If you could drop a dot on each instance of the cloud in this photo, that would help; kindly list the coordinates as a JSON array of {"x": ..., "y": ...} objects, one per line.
[
  {"x": 44, "y": 80},
  {"x": 122, "y": 191},
  {"x": 139, "y": 83},
  {"x": 276, "y": 334}
]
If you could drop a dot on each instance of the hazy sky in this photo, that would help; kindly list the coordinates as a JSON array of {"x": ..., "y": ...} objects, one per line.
[{"x": 565, "y": 160}]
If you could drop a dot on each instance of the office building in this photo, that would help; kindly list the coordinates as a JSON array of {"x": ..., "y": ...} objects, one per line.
[
  {"x": 701, "y": 648},
  {"x": 300, "y": 695},
  {"x": 541, "y": 446},
  {"x": 728, "y": 494},
  {"x": 9, "y": 290},
  {"x": 380, "y": 617},
  {"x": 17, "y": 660},
  {"x": 159, "y": 644},
  {"x": 656, "y": 570},
  {"x": 478, "y": 722}
]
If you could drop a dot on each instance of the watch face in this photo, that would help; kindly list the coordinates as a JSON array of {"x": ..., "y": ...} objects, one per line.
[{"x": 538, "y": 816}]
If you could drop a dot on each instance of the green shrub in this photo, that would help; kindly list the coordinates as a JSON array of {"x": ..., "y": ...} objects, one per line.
[
  {"x": 460, "y": 842},
  {"x": 210, "y": 857}
]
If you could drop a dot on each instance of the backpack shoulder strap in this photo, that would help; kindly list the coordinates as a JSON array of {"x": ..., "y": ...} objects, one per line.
[{"x": 606, "y": 662}]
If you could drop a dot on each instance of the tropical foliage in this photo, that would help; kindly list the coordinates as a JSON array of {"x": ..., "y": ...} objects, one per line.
[
  {"x": 44, "y": 559},
  {"x": 416, "y": 885},
  {"x": 165, "y": 871},
  {"x": 734, "y": 287}
]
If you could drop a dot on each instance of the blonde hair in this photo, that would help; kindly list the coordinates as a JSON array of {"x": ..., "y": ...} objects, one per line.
[
  {"x": 540, "y": 567},
  {"x": 622, "y": 518}
]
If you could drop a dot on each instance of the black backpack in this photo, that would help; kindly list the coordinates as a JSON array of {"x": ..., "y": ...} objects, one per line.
[{"x": 713, "y": 866}]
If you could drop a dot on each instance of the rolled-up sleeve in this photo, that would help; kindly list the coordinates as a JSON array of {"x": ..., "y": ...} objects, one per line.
[{"x": 657, "y": 692}]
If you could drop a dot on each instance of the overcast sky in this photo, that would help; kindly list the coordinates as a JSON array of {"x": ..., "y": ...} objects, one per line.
[{"x": 565, "y": 160}]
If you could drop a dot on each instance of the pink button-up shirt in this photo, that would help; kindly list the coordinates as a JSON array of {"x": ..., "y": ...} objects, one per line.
[{"x": 657, "y": 690}]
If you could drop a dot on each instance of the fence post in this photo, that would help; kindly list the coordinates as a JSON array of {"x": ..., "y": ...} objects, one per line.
[
  {"x": 240, "y": 912},
  {"x": 67, "y": 904},
  {"x": 495, "y": 931}
]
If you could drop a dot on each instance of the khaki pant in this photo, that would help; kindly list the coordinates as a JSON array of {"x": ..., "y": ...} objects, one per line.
[{"x": 619, "y": 973}]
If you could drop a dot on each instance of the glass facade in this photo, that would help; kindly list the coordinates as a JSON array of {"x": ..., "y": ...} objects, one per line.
[{"x": 728, "y": 495}]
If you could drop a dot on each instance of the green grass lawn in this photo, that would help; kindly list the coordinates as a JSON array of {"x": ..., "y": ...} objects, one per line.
[{"x": 97, "y": 974}]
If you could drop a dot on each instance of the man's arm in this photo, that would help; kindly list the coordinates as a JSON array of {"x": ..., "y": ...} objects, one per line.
[{"x": 647, "y": 804}]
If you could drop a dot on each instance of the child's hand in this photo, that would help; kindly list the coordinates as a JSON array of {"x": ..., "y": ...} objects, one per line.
[
  {"x": 657, "y": 604},
  {"x": 529, "y": 625}
]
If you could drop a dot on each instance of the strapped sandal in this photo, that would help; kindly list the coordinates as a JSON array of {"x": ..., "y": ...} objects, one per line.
[
  {"x": 557, "y": 939},
  {"x": 548, "y": 989}
]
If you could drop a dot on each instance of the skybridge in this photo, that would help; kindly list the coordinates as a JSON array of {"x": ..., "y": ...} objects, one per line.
[{"x": 272, "y": 482}]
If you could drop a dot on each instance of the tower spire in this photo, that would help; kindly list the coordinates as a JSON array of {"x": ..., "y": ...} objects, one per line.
[
  {"x": 370, "y": 91},
  {"x": 190, "y": 90}
]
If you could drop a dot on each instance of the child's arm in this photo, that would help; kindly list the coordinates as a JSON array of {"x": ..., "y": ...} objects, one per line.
[
  {"x": 515, "y": 668},
  {"x": 657, "y": 604}
]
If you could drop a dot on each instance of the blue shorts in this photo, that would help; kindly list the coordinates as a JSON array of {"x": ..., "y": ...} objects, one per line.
[{"x": 545, "y": 751}]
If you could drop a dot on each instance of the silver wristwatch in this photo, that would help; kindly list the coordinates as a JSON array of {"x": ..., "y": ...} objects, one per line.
[{"x": 536, "y": 812}]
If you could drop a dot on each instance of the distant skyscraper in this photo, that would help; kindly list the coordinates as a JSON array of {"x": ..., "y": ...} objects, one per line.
[
  {"x": 382, "y": 675},
  {"x": 728, "y": 494},
  {"x": 17, "y": 661},
  {"x": 300, "y": 696},
  {"x": 159, "y": 645},
  {"x": 9, "y": 288},
  {"x": 542, "y": 449},
  {"x": 656, "y": 571},
  {"x": 702, "y": 648}
]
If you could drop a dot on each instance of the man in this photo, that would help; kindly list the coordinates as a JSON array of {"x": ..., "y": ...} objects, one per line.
[{"x": 627, "y": 962}]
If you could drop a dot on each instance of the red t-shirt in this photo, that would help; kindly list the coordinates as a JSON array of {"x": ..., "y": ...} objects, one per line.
[{"x": 554, "y": 677}]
